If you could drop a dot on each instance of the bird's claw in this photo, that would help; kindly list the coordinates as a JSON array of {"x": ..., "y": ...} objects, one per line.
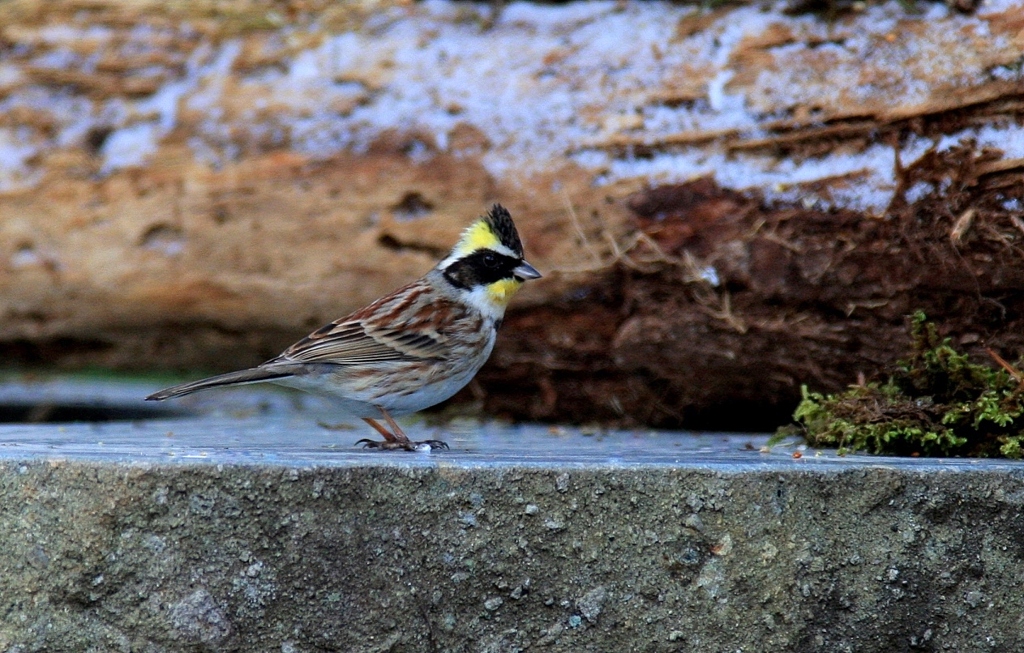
[
  {"x": 407, "y": 445},
  {"x": 433, "y": 444}
]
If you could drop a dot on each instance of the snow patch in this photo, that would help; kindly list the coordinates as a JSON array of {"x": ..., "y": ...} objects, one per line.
[
  {"x": 128, "y": 147},
  {"x": 1013, "y": 204},
  {"x": 15, "y": 153},
  {"x": 918, "y": 191},
  {"x": 547, "y": 82}
]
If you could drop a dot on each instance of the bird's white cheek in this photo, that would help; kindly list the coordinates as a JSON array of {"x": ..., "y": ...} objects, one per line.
[{"x": 487, "y": 301}]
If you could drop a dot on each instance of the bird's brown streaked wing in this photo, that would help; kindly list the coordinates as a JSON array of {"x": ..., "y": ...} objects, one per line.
[
  {"x": 350, "y": 344},
  {"x": 399, "y": 327}
]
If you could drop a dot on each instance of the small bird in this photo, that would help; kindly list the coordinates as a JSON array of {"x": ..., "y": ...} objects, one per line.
[{"x": 410, "y": 349}]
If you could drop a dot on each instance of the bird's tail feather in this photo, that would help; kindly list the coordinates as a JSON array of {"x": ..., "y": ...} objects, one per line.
[{"x": 253, "y": 375}]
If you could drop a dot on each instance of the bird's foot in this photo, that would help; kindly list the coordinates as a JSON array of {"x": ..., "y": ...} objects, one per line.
[{"x": 403, "y": 445}]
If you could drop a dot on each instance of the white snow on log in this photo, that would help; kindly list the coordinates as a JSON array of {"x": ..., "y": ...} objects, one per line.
[{"x": 583, "y": 82}]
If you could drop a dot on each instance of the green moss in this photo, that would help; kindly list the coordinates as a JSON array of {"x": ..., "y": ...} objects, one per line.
[{"x": 936, "y": 403}]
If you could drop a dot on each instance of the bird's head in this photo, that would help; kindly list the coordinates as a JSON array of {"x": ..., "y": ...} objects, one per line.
[{"x": 488, "y": 262}]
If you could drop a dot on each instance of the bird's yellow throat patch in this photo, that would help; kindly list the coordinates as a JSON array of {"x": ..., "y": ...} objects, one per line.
[
  {"x": 500, "y": 292},
  {"x": 476, "y": 237}
]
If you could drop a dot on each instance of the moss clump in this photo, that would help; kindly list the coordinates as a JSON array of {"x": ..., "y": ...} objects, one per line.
[{"x": 937, "y": 403}]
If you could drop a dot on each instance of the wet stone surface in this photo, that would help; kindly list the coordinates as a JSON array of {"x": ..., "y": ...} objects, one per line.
[{"x": 249, "y": 527}]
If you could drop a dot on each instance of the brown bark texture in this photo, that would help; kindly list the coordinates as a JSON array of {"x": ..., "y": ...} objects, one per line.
[{"x": 727, "y": 203}]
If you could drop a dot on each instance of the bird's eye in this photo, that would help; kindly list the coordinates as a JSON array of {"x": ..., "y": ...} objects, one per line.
[{"x": 490, "y": 260}]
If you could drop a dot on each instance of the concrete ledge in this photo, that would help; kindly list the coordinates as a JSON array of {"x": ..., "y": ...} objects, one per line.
[{"x": 254, "y": 530}]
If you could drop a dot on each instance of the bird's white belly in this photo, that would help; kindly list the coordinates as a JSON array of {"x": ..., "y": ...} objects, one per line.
[
  {"x": 346, "y": 404},
  {"x": 428, "y": 395},
  {"x": 357, "y": 400}
]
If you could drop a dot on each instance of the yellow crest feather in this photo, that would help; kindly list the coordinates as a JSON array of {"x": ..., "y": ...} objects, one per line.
[{"x": 477, "y": 236}]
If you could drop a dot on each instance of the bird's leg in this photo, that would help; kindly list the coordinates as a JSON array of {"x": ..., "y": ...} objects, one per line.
[
  {"x": 395, "y": 428},
  {"x": 396, "y": 438},
  {"x": 380, "y": 429},
  {"x": 390, "y": 441}
]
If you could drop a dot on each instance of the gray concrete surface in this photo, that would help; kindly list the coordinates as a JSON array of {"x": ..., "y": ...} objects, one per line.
[{"x": 250, "y": 528}]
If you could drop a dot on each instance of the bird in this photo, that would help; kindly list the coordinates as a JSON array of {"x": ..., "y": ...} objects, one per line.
[{"x": 410, "y": 349}]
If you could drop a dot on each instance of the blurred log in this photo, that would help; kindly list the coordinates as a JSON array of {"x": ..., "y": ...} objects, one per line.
[{"x": 727, "y": 203}]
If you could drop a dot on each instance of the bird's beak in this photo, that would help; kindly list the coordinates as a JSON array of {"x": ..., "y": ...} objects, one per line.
[{"x": 525, "y": 271}]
